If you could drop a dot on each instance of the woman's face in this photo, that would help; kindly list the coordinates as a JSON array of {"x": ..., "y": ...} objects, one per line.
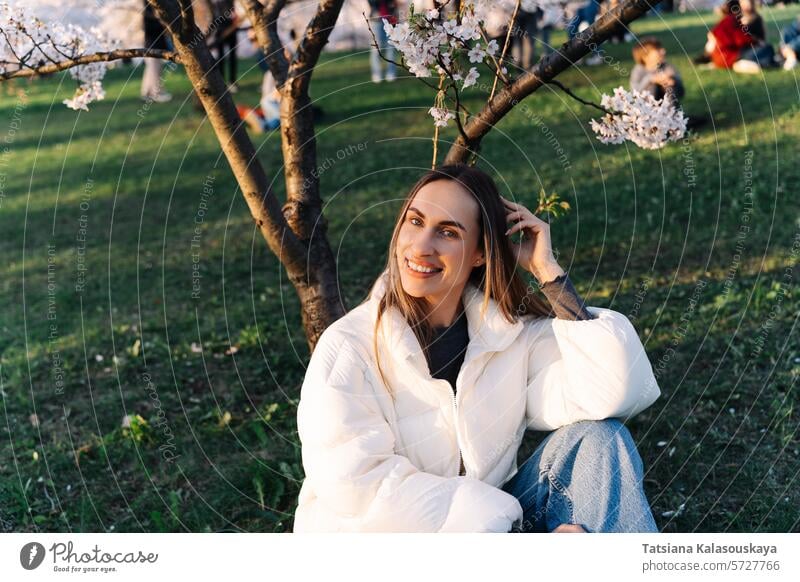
[{"x": 437, "y": 246}]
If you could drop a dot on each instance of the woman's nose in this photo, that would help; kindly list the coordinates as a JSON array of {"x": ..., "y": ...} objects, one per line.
[{"x": 422, "y": 244}]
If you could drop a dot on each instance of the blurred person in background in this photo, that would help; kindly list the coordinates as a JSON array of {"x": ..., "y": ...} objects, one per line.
[
  {"x": 155, "y": 38},
  {"x": 378, "y": 11}
]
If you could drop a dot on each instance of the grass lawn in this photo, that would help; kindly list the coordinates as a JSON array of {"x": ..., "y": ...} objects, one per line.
[{"x": 135, "y": 284}]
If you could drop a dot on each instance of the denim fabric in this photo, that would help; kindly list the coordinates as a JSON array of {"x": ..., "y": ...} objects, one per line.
[
  {"x": 386, "y": 49},
  {"x": 791, "y": 36},
  {"x": 587, "y": 473},
  {"x": 586, "y": 13},
  {"x": 764, "y": 55}
]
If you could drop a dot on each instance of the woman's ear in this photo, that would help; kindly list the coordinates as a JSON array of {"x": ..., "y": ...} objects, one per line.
[{"x": 478, "y": 262}]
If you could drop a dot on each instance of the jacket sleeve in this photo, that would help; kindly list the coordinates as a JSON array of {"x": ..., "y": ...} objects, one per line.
[
  {"x": 586, "y": 370},
  {"x": 348, "y": 451}
]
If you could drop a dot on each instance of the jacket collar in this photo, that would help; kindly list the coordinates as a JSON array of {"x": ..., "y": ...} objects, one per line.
[{"x": 489, "y": 332}]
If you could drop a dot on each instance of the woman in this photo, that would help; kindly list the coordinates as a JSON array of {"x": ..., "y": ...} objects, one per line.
[
  {"x": 761, "y": 52},
  {"x": 731, "y": 43},
  {"x": 396, "y": 437}
]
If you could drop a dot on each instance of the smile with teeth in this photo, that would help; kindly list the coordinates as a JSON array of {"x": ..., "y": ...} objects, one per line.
[{"x": 419, "y": 268}]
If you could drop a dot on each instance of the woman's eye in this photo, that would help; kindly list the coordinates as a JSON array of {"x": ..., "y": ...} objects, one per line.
[{"x": 447, "y": 233}]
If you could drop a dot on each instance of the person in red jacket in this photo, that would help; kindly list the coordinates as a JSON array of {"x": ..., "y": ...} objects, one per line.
[
  {"x": 731, "y": 44},
  {"x": 729, "y": 38}
]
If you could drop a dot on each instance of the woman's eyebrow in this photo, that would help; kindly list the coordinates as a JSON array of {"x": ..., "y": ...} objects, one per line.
[{"x": 442, "y": 223}]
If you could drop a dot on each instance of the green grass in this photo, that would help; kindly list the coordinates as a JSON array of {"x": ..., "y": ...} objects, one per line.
[{"x": 718, "y": 321}]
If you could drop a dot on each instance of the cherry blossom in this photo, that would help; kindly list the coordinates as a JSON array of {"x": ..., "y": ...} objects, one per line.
[
  {"x": 441, "y": 116},
  {"x": 471, "y": 78},
  {"x": 476, "y": 54},
  {"x": 433, "y": 46},
  {"x": 26, "y": 42},
  {"x": 640, "y": 118}
]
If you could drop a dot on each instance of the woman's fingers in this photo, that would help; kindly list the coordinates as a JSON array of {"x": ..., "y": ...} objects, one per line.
[
  {"x": 515, "y": 210},
  {"x": 525, "y": 217},
  {"x": 516, "y": 215},
  {"x": 524, "y": 224},
  {"x": 510, "y": 204}
]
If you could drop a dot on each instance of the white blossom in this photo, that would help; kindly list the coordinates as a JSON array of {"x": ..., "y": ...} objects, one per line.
[
  {"x": 441, "y": 116},
  {"x": 471, "y": 77},
  {"x": 470, "y": 29},
  {"x": 648, "y": 122},
  {"x": 431, "y": 45},
  {"x": 476, "y": 54},
  {"x": 30, "y": 42}
]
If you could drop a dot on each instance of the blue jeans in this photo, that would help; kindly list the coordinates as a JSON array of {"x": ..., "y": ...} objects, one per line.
[
  {"x": 587, "y": 473},
  {"x": 586, "y": 13},
  {"x": 764, "y": 55},
  {"x": 375, "y": 61},
  {"x": 791, "y": 36}
]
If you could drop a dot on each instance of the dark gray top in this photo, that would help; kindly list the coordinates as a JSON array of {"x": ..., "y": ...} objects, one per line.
[
  {"x": 449, "y": 345},
  {"x": 642, "y": 80}
]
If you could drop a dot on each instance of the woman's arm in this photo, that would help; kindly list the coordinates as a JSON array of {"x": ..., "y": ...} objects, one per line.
[
  {"x": 565, "y": 300},
  {"x": 586, "y": 370},
  {"x": 349, "y": 457},
  {"x": 577, "y": 370}
]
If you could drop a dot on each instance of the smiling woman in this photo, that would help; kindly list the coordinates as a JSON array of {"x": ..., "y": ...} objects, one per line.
[{"x": 415, "y": 403}]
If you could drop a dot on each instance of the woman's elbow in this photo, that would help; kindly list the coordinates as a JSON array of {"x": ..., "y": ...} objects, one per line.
[{"x": 638, "y": 393}]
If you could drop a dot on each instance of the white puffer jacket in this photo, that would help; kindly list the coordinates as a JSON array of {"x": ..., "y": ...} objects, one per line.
[{"x": 377, "y": 464}]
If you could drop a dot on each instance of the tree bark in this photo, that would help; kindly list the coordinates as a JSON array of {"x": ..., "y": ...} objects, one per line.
[
  {"x": 105, "y": 57},
  {"x": 308, "y": 259},
  {"x": 320, "y": 295}
]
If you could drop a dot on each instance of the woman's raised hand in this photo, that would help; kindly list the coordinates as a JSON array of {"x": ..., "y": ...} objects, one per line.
[{"x": 534, "y": 252}]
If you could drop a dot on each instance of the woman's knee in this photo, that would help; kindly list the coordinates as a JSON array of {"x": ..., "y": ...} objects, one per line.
[
  {"x": 596, "y": 438},
  {"x": 597, "y": 430}
]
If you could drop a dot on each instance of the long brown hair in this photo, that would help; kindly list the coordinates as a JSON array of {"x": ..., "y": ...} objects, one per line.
[{"x": 497, "y": 277}]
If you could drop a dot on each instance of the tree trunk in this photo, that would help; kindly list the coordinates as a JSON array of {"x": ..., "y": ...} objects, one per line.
[{"x": 308, "y": 260}]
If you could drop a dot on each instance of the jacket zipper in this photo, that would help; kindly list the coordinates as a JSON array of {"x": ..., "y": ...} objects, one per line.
[
  {"x": 453, "y": 395},
  {"x": 455, "y": 417},
  {"x": 458, "y": 441}
]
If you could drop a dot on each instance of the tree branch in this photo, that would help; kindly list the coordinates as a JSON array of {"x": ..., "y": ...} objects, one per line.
[
  {"x": 546, "y": 69},
  {"x": 265, "y": 24},
  {"x": 314, "y": 39},
  {"x": 569, "y": 92},
  {"x": 295, "y": 232},
  {"x": 236, "y": 144},
  {"x": 92, "y": 58},
  {"x": 499, "y": 65}
]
